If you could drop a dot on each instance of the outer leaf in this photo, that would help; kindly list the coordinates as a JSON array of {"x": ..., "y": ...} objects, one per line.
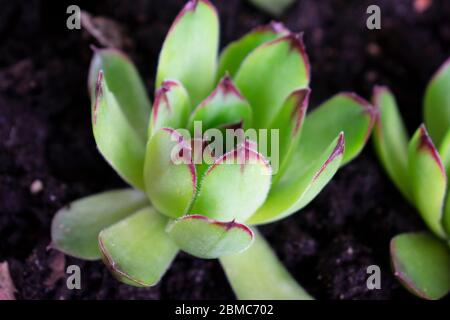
[
  {"x": 289, "y": 123},
  {"x": 422, "y": 263},
  {"x": 209, "y": 239},
  {"x": 233, "y": 55},
  {"x": 446, "y": 218},
  {"x": 125, "y": 84},
  {"x": 257, "y": 274},
  {"x": 296, "y": 189},
  {"x": 391, "y": 139},
  {"x": 189, "y": 53},
  {"x": 170, "y": 181},
  {"x": 137, "y": 250},
  {"x": 225, "y": 106},
  {"x": 274, "y": 7},
  {"x": 171, "y": 107},
  {"x": 234, "y": 186},
  {"x": 270, "y": 73},
  {"x": 345, "y": 112},
  {"x": 116, "y": 138},
  {"x": 428, "y": 180},
  {"x": 75, "y": 227},
  {"x": 437, "y": 104}
]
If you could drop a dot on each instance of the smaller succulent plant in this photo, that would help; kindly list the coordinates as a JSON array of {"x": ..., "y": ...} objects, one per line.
[
  {"x": 273, "y": 7},
  {"x": 421, "y": 260},
  {"x": 208, "y": 208}
]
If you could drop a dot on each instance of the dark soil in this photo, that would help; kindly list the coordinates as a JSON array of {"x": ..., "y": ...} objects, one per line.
[{"x": 45, "y": 135}]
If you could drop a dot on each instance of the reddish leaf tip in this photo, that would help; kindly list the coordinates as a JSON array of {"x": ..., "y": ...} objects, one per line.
[
  {"x": 337, "y": 151},
  {"x": 161, "y": 96},
  {"x": 296, "y": 43},
  {"x": 225, "y": 225},
  {"x": 427, "y": 145},
  {"x": 301, "y": 105}
]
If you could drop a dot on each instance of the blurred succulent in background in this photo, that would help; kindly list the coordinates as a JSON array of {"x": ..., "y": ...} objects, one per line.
[
  {"x": 420, "y": 260},
  {"x": 260, "y": 81},
  {"x": 274, "y": 7}
]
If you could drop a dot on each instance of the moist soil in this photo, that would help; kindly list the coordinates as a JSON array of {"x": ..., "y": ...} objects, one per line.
[{"x": 45, "y": 136}]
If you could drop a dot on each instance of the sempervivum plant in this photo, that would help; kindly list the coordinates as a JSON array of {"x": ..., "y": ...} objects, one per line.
[
  {"x": 421, "y": 260},
  {"x": 194, "y": 192}
]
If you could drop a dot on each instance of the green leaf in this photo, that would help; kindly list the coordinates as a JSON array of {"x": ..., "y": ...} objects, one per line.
[
  {"x": 345, "y": 112},
  {"x": 225, "y": 106},
  {"x": 233, "y": 55},
  {"x": 137, "y": 250},
  {"x": 117, "y": 140},
  {"x": 125, "y": 84},
  {"x": 422, "y": 264},
  {"x": 444, "y": 151},
  {"x": 169, "y": 173},
  {"x": 234, "y": 186},
  {"x": 446, "y": 218},
  {"x": 75, "y": 227},
  {"x": 189, "y": 52},
  {"x": 171, "y": 107},
  {"x": 391, "y": 139},
  {"x": 289, "y": 123},
  {"x": 270, "y": 73},
  {"x": 274, "y": 7},
  {"x": 257, "y": 274},
  {"x": 209, "y": 239},
  {"x": 428, "y": 181},
  {"x": 437, "y": 104},
  {"x": 296, "y": 189}
]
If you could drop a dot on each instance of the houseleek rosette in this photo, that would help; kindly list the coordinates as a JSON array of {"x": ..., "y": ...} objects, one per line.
[
  {"x": 421, "y": 260},
  {"x": 208, "y": 208}
]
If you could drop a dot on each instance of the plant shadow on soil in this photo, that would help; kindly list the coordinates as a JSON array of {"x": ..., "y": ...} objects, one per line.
[{"x": 45, "y": 135}]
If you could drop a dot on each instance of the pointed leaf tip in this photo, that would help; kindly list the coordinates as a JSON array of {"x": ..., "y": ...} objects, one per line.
[
  {"x": 427, "y": 145},
  {"x": 301, "y": 105},
  {"x": 189, "y": 52},
  {"x": 209, "y": 239},
  {"x": 171, "y": 107},
  {"x": 427, "y": 180},
  {"x": 338, "y": 151}
]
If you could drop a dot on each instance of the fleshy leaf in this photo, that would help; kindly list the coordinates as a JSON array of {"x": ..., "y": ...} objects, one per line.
[
  {"x": 225, "y": 106},
  {"x": 391, "y": 139},
  {"x": 209, "y": 239},
  {"x": 117, "y": 140},
  {"x": 422, "y": 263},
  {"x": 257, "y": 274},
  {"x": 345, "y": 112},
  {"x": 234, "y": 186},
  {"x": 125, "y": 84},
  {"x": 444, "y": 151},
  {"x": 274, "y": 7},
  {"x": 270, "y": 73},
  {"x": 289, "y": 123},
  {"x": 189, "y": 52},
  {"x": 446, "y": 218},
  {"x": 428, "y": 181},
  {"x": 137, "y": 250},
  {"x": 169, "y": 174},
  {"x": 171, "y": 107},
  {"x": 296, "y": 189},
  {"x": 233, "y": 55},
  {"x": 75, "y": 227},
  {"x": 437, "y": 104}
]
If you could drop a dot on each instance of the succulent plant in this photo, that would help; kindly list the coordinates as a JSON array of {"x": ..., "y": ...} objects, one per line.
[
  {"x": 209, "y": 208},
  {"x": 274, "y": 7},
  {"x": 421, "y": 260}
]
